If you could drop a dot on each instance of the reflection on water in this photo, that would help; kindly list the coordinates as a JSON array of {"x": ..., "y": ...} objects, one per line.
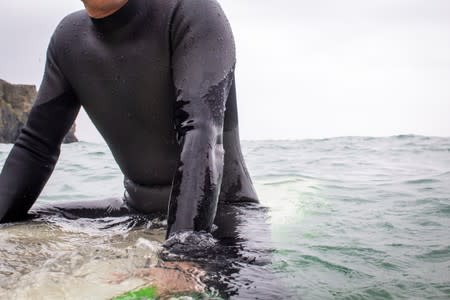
[{"x": 241, "y": 266}]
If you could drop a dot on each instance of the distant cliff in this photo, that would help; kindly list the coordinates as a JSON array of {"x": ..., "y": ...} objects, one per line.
[{"x": 16, "y": 101}]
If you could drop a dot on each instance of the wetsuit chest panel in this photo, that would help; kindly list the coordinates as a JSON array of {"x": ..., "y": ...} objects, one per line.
[
  {"x": 124, "y": 78},
  {"x": 123, "y": 75}
]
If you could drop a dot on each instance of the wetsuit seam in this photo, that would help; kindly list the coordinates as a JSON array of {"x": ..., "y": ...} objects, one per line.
[
  {"x": 41, "y": 157},
  {"x": 171, "y": 33}
]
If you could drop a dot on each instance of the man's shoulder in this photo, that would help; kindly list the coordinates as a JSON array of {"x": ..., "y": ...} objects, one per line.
[
  {"x": 71, "y": 25},
  {"x": 74, "y": 19},
  {"x": 204, "y": 13},
  {"x": 204, "y": 6},
  {"x": 198, "y": 2}
]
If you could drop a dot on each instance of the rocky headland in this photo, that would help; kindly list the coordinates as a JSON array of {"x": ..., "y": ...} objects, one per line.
[{"x": 16, "y": 101}]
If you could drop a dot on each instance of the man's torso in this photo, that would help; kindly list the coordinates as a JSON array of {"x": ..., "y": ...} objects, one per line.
[{"x": 120, "y": 70}]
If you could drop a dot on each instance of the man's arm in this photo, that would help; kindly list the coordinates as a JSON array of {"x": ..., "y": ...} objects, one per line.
[
  {"x": 203, "y": 60},
  {"x": 34, "y": 155}
]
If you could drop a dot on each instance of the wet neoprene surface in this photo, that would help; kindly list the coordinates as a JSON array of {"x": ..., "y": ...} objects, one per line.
[{"x": 157, "y": 80}]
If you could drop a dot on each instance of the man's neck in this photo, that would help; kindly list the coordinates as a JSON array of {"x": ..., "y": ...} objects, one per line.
[{"x": 101, "y": 9}]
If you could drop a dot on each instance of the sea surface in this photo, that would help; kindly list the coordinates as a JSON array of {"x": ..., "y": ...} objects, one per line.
[{"x": 343, "y": 218}]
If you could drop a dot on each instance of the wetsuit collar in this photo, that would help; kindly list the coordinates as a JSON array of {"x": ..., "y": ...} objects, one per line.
[{"x": 118, "y": 19}]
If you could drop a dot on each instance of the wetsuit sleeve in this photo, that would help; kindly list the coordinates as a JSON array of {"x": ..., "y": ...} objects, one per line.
[
  {"x": 34, "y": 155},
  {"x": 203, "y": 60}
]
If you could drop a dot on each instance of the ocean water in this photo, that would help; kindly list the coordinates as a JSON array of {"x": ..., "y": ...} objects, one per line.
[{"x": 343, "y": 218}]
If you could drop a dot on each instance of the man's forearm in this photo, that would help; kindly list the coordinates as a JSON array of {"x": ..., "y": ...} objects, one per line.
[
  {"x": 203, "y": 61},
  {"x": 34, "y": 155},
  {"x": 196, "y": 184},
  {"x": 21, "y": 181}
]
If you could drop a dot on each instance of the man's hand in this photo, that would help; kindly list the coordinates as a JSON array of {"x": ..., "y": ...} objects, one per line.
[{"x": 190, "y": 244}]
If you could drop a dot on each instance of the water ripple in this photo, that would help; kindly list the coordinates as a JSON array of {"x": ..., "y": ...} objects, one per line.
[{"x": 348, "y": 218}]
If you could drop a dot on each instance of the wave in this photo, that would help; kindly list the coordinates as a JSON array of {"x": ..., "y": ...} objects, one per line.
[{"x": 421, "y": 181}]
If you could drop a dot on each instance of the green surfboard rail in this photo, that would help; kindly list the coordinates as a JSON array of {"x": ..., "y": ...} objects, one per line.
[
  {"x": 147, "y": 293},
  {"x": 151, "y": 293}
]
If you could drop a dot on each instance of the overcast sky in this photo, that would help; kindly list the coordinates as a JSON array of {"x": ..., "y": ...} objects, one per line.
[{"x": 306, "y": 69}]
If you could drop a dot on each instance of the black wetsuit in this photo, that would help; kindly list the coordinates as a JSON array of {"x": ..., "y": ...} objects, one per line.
[{"x": 157, "y": 80}]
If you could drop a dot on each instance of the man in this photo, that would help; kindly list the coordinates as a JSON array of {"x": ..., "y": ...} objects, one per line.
[{"x": 157, "y": 79}]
